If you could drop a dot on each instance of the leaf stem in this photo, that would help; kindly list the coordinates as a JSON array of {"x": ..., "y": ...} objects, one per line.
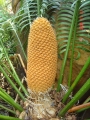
[
  {"x": 67, "y": 49},
  {"x": 10, "y": 101},
  {"x": 3, "y": 117},
  {"x": 38, "y": 7},
  {"x": 11, "y": 111},
  {"x": 76, "y": 80},
  {"x": 87, "y": 100},
  {"x": 11, "y": 83},
  {"x": 19, "y": 41},
  {"x": 79, "y": 107},
  {"x": 77, "y": 96},
  {"x": 73, "y": 42},
  {"x": 14, "y": 72}
]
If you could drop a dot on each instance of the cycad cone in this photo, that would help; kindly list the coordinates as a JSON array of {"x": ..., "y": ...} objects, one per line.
[
  {"x": 42, "y": 63},
  {"x": 42, "y": 56}
]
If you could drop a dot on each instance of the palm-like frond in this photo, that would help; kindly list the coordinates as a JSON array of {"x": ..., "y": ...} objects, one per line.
[
  {"x": 3, "y": 16},
  {"x": 30, "y": 8},
  {"x": 83, "y": 27},
  {"x": 26, "y": 13},
  {"x": 72, "y": 26},
  {"x": 85, "y": 3},
  {"x": 5, "y": 35},
  {"x": 9, "y": 33},
  {"x": 64, "y": 20}
]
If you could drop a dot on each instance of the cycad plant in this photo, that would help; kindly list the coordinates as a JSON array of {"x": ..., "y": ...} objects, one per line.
[
  {"x": 70, "y": 21},
  {"x": 73, "y": 33}
]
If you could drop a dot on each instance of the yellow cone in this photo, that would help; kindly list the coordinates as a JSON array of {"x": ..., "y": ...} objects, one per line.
[{"x": 42, "y": 56}]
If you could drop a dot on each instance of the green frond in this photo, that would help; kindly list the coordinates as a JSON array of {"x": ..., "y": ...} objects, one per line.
[
  {"x": 9, "y": 99},
  {"x": 86, "y": 14},
  {"x": 62, "y": 51},
  {"x": 3, "y": 15},
  {"x": 30, "y": 8},
  {"x": 26, "y": 14},
  {"x": 78, "y": 55},
  {"x": 87, "y": 23},
  {"x": 63, "y": 28},
  {"x": 63, "y": 42},
  {"x": 3, "y": 117},
  {"x": 63, "y": 33},
  {"x": 83, "y": 48},
  {"x": 85, "y": 18},
  {"x": 83, "y": 41},
  {"x": 81, "y": 31},
  {"x": 64, "y": 23},
  {"x": 64, "y": 19},
  {"x": 83, "y": 35},
  {"x": 84, "y": 3},
  {"x": 62, "y": 47},
  {"x": 65, "y": 37},
  {"x": 65, "y": 10},
  {"x": 85, "y": 9},
  {"x": 65, "y": 15}
]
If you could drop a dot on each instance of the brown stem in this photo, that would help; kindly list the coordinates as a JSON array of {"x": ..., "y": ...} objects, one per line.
[
  {"x": 22, "y": 63},
  {"x": 16, "y": 99},
  {"x": 75, "y": 108}
]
